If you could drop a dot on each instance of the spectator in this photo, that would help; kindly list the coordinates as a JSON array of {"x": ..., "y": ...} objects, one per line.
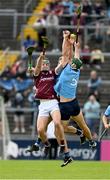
[
  {"x": 47, "y": 9},
  {"x": 87, "y": 10},
  {"x": 82, "y": 19},
  {"x": 19, "y": 114},
  {"x": 52, "y": 23},
  {"x": 98, "y": 35},
  {"x": 94, "y": 83},
  {"x": 15, "y": 67},
  {"x": 92, "y": 114},
  {"x": 97, "y": 58},
  {"x": 6, "y": 74},
  {"x": 68, "y": 9},
  {"x": 59, "y": 10},
  {"x": 28, "y": 42},
  {"x": 21, "y": 71},
  {"x": 98, "y": 9},
  {"x": 21, "y": 84},
  {"x": 108, "y": 7},
  {"x": 86, "y": 57},
  {"x": 40, "y": 26},
  {"x": 6, "y": 96},
  {"x": 70, "y": 6},
  {"x": 54, "y": 4}
]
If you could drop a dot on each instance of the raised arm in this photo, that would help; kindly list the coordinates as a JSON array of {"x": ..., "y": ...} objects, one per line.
[
  {"x": 67, "y": 46},
  {"x": 77, "y": 50},
  {"x": 63, "y": 60},
  {"x": 38, "y": 66},
  {"x": 76, "y": 62},
  {"x": 60, "y": 65},
  {"x": 72, "y": 40}
]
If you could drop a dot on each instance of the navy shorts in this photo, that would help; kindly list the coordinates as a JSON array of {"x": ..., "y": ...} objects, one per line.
[{"x": 68, "y": 109}]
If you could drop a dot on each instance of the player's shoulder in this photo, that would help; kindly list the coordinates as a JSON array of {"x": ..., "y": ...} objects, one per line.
[
  {"x": 108, "y": 107},
  {"x": 107, "y": 111}
]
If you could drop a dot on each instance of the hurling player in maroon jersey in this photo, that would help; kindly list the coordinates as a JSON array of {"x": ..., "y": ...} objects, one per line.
[{"x": 44, "y": 79}]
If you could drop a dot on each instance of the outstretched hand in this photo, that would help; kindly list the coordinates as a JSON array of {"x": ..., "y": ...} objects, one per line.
[
  {"x": 66, "y": 34},
  {"x": 42, "y": 55},
  {"x": 72, "y": 38},
  {"x": 77, "y": 45},
  {"x": 30, "y": 70}
]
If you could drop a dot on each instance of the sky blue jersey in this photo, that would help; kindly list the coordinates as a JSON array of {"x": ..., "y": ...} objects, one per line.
[
  {"x": 107, "y": 111},
  {"x": 66, "y": 84}
]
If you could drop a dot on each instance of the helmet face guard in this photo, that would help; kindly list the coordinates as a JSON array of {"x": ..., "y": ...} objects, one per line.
[
  {"x": 45, "y": 65},
  {"x": 46, "y": 61},
  {"x": 77, "y": 63}
]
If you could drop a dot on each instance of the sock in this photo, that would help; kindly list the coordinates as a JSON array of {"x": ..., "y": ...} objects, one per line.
[
  {"x": 91, "y": 141},
  {"x": 38, "y": 141},
  {"x": 62, "y": 143},
  {"x": 47, "y": 144},
  {"x": 66, "y": 154},
  {"x": 79, "y": 132}
]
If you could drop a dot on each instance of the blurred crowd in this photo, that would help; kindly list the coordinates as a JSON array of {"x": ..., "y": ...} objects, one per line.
[
  {"x": 62, "y": 13},
  {"x": 16, "y": 89}
]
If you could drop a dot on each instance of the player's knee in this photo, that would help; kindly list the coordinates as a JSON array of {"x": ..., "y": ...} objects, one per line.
[
  {"x": 40, "y": 130},
  {"x": 57, "y": 124}
]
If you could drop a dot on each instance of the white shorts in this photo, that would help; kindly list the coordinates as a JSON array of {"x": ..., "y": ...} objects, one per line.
[{"x": 47, "y": 107}]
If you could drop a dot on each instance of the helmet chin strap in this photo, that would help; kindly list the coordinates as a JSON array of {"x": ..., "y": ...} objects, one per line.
[{"x": 45, "y": 70}]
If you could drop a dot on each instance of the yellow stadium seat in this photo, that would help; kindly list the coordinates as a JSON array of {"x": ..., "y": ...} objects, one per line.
[
  {"x": 34, "y": 18},
  {"x": 8, "y": 59}
]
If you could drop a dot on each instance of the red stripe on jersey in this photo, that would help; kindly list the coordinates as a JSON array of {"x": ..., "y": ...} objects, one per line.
[{"x": 44, "y": 84}]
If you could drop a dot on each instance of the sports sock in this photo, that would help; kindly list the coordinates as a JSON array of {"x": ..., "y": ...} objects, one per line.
[
  {"x": 38, "y": 141},
  {"x": 47, "y": 144},
  {"x": 66, "y": 154},
  {"x": 91, "y": 141},
  {"x": 62, "y": 142},
  {"x": 79, "y": 132}
]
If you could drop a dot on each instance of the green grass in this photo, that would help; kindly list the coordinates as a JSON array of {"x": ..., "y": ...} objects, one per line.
[{"x": 44, "y": 169}]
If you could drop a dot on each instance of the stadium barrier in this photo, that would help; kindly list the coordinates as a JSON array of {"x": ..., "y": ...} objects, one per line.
[{"x": 77, "y": 151}]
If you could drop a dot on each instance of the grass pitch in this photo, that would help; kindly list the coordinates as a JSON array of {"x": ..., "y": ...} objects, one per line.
[{"x": 44, "y": 169}]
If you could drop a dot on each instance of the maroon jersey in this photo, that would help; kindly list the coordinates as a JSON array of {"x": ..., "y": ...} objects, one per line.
[{"x": 44, "y": 84}]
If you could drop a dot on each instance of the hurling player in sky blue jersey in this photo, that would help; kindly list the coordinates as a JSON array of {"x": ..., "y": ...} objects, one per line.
[
  {"x": 66, "y": 86},
  {"x": 105, "y": 118}
]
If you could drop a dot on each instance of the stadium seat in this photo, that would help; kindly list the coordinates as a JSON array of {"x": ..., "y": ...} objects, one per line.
[
  {"x": 33, "y": 18},
  {"x": 7, "y": 59}
]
